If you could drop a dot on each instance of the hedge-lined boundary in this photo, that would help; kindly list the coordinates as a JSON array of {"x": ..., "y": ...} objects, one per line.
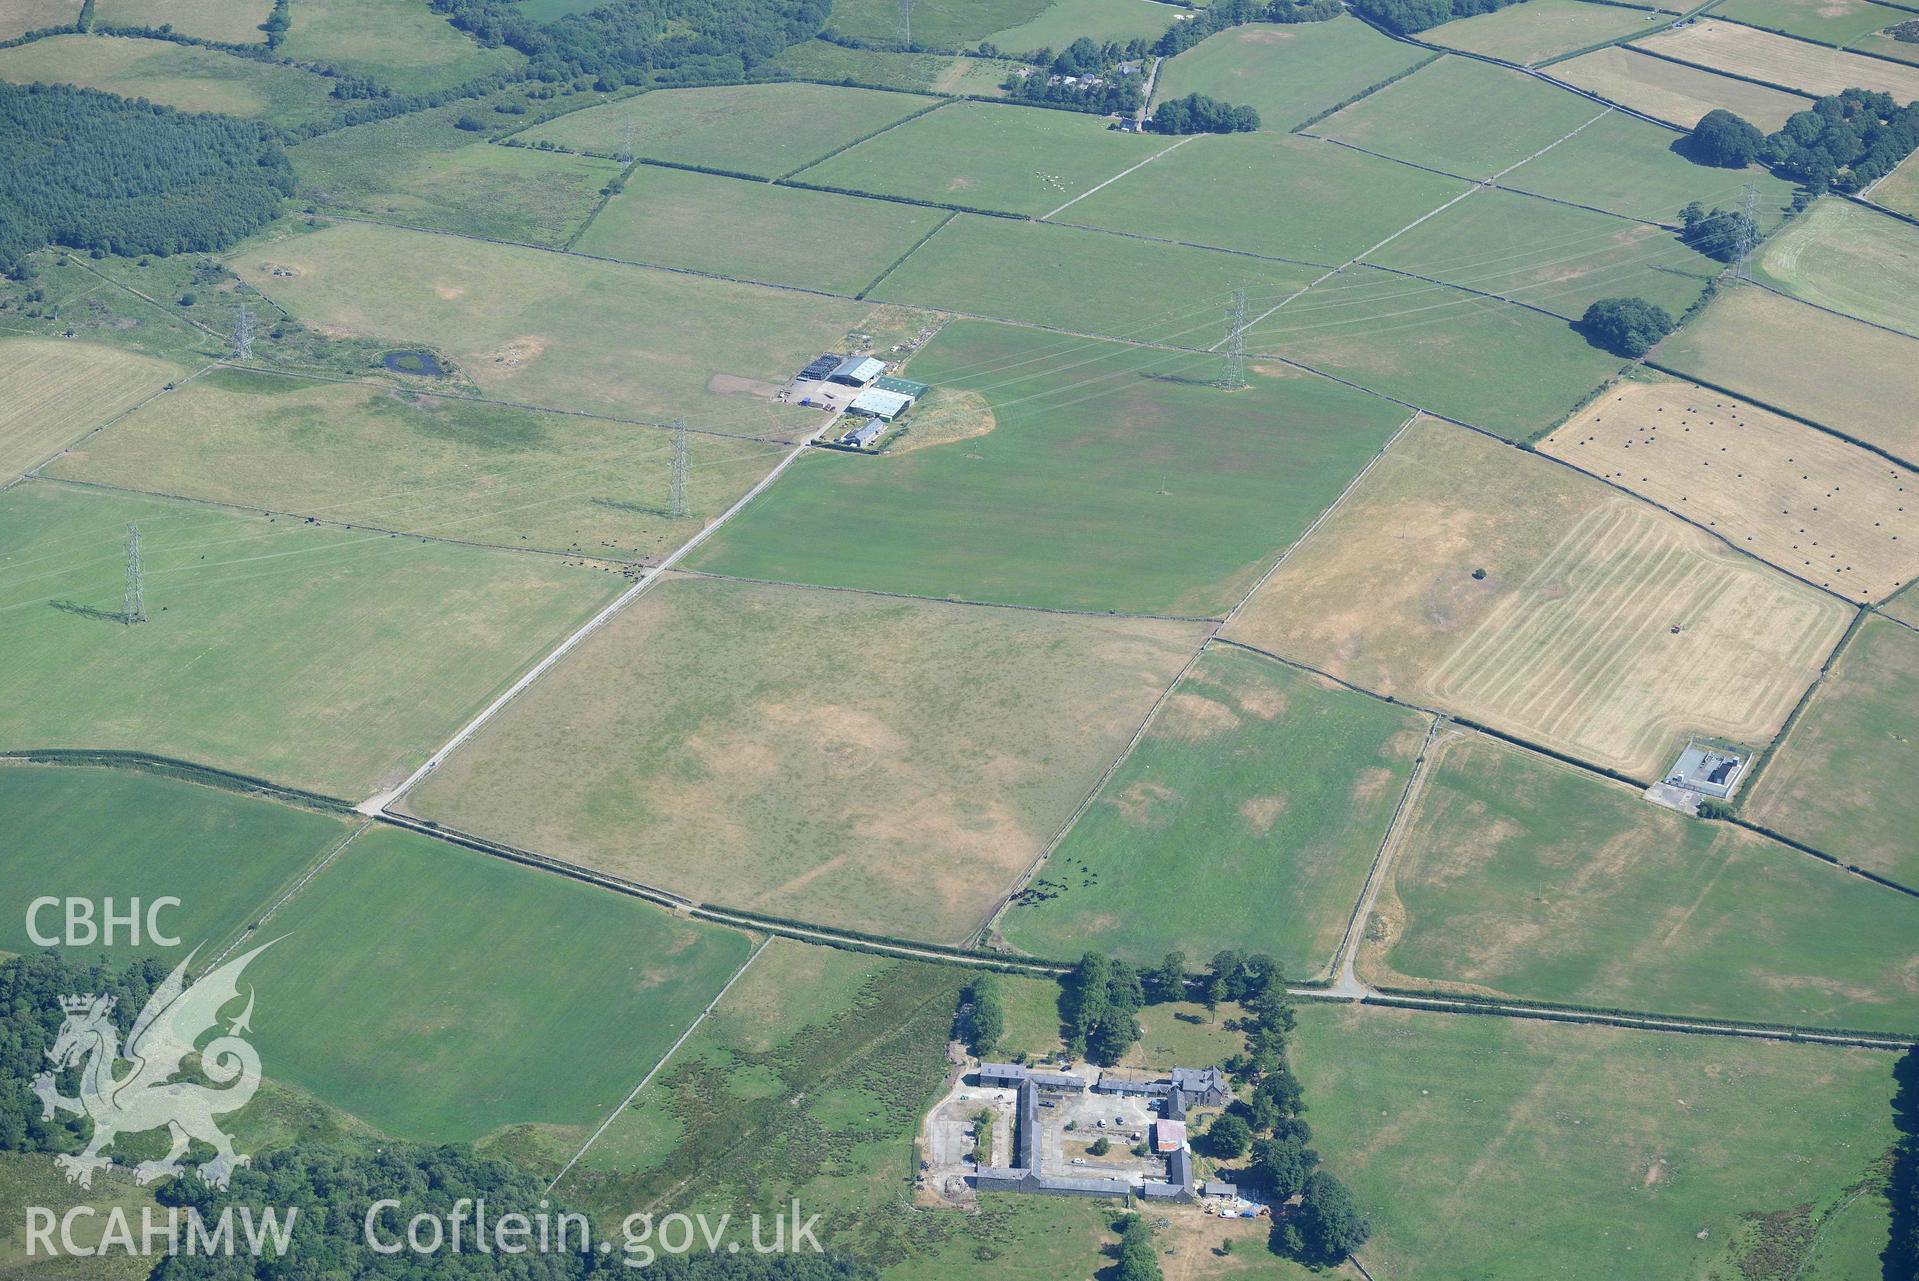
[
  {"x": 1637, "y": 1019},
  {"x": 1367, "y": 92},
  {"x": 186, "y": 771}
]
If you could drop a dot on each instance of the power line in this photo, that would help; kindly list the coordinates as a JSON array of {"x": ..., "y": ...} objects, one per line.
[
  {"x": 1232, "y": 373},
  {"x": 903, "y": 33},
  {"x": 1748, "y": 233},
  {"x": 133, "y": 607},
  {"x": 676, "y": 486},
  {"x": 243, "y": 333},
  {"x": 626, "y": 144}
]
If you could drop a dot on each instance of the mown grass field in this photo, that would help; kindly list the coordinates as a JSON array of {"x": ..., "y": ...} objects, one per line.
[
  {"x": 1833, "y": 22},
  {"x": 1815, "y": 506},
  {"x": 1630, "y": 167},
  {"x": 1501, "y": 1147},
  {"x": 940, "y": 73},
  {"x": 1783, "y": 61},
  {"x": 422, "y": 170},
  {"x": 1532, "y": 33},
  {"x": 1057, "y": 472},
  {"x": 54, "y": 392},
  {"x": 182, "y": 76},
  {"x": 228, "y": 21},
  {"x": 1849, "y": 259},
  {"x": 325, "y": 659},
  {"x": 1246, "y": 818},
  {"x": 1677, "y": 94},
  {"x": 576, "y": 995},
  {"x": 1489, "y": 363},
  {"x": 368, "y": 455},
  {"x": 1785, "y": 354},
  {"x": 104, "y": 833},
  {"x": 1899, "y": 190},
  {"x": 1519, "y": 876},
  {"x": 1120, "y": 286},
  {"x": 778, "y": 751},
  {"x": 1462, "y": 116},
  {"x": 37, "y": 15},
  {"x": 1289, "y": 73},
  {"x": 756, "y": 231},
  {"x": 1840, "y": 782},
  {"x": 1550, "y": 256},
  {"x": 766, "y": 130},
  {"x": 564, "y": 333},
  {"x": 1064, "y": 21},
  {"x": 1223, "y": 191},
  {"x": 404, "y": 46},
  {"x": 1585, "y": 583},
  {"x": 946, "y": 25},
  {"x": 984, "y": 155}
]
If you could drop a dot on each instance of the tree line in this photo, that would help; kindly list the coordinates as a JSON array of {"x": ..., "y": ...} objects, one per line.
[
  {"x": 94, "y": 171},
  {"x": 1407, "y": 17},
  {"x": 1843, "y": 142}
]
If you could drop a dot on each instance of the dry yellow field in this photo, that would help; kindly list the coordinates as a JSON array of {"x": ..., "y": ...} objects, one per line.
[
  {"x": 1821, "y": 509},
  {"x": 1678, "y": 95},
  {"x": 52, "y": 392},
  {"x": 230, "y": 21},
  {"x": 1779, "y": 60},
  {"x": 1514, "y": 591}
]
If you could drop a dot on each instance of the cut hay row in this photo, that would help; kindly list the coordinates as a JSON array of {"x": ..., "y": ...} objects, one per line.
[
  {"x": 53, "y": 392},
  {"x": 1781, "y": 60}
]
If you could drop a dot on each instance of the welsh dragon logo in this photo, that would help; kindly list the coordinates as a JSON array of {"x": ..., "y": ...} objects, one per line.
[{"x": 148, "y": 1096}]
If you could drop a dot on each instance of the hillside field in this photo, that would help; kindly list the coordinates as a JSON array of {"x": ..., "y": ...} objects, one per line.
[
  {"x": 777, "y": 751},
  {"x": 227, "y": 21},
  {"x": 1783, "y": 61},
  {"x": 1676, "y": 93},
  {"x": 1543, "y": 29},
  {"x": 1288, "y": 73},
  {"x": 183, "y": 76},
  {"x": 1851, "y": 260},
  {"x": 1833, "y": 22},
  {"x": 404, "y": 46},
  {"x": 55, "y": 392}
]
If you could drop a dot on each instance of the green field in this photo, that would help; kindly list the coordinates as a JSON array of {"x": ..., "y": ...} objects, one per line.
[
  {"x": 1487, "y": 1147},
  {"x": 56, "y": 392},
  {"x": 182, "y": 76},
  {"x": 23, "y": 16},
  {"x": 767, "y": 130},
  {"x": 31, "y": 1178},
  {"x": 1551, "y": 256},
  {"x": 84, "y": 306},
  {"x": 1899, "y": 190},
  {"x": 575, "y": 996},
  {"x": 1784, "y": 353},
  {"x": 1833, "y": 22},
  {"x": 1057, "y": 472},
  {"x": 101, "y": 833},
  {"x": 1064, "y": 21},
  {"x": 324, "y": 659},
  {"x": 1462, "y": 116},
  {"x": 1518, "y": 876},
  {"x": 1629, "y": 167},
  {"x": 940, "y": 24},
  {"x": 1492, "y": 364},
  {"x": 1849, "y": 259},
  {"x": 1287, "y": 73},
  {"x": 366, "y": 455},
  {"x": 1224, "y": 190},
  {"x": 1841, "y": 781},
  {"x": 756, "y": 231},
  {"x": 983, "y": 155},
  {"x": 423, "y": 171},
  {"x": 1675, "y": 92},
  {"x": 228, "y": 21},
  {"x": 886, "y": 765},
  {"x": 1253, "y": 776},
  {"x": 564, "y": 333},
  {"x": 1532, "y": 33},
  {"x": 1086, "y": 281},
  {"x": 398, "y": 43},
  {"x": 940, "y": 73}
]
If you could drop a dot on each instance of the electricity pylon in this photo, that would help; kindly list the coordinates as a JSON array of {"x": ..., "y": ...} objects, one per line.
[
  {"x": 1748, "y": 232},
  {"x": 243, "y": 333},
  {"x": 676, "y": 486},
  {"x": 903, "y": 32},
  {"x": 1232, "y": 374},
  {"x": 133, "y": 607},
  {"x": 626, "y": 144}
]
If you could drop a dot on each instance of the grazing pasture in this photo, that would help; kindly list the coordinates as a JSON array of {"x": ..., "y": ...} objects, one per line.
[
  {"x": 1489, "y": 363},
  {"x": 1086, "y": 281},
  {"x": 766, "y": 130},
  {"x": 1632, "y": 168},
  {"x": 23, "y": 16},
  {"x": 1899, "y": 190},
  {"x": 1223, "y": 191},
  {"x": 228, "y": 21},
  {"x": 356, "y": 1000},
  {"x": 398, "y": 43},
  {"x": 1519, "y": 876},
  {"x": 1841, "y": 781},
  {"x": 1833, "y": 22},
  {"x": 370, "y": 455},
  {"x": 1550, "y": 256},
  {"x": 1815, "y": 506},
  {"x": 1253, "y": 775},
  {"x": 984, "y": 155},
  {"x": 1509, "y": 1147},
  {"x": 1053, "y": 471},
  {"x": 1885, "y": 45},
  {"x": 946, "y": 24},
  {"x": 940, "y": 73},
  {"x": 1849, "y": 259},
  {"x": 1787, "y": 354},
  {"x": 755, "y": 230},
  {"x": 183, "y": 76},
  {"x": 563, "y": 333},
  {"x": 1542, "y": 29},
  {"x": 1064, "y": 21},
  {"x": 1465, "y": 117},
  {"x": 99, "y": 833},
  {"x": 52, "y": 392},
  {"x": 879, "y": 764},
  {"x": 1782, "y": 61},
  {"x": 325, "y": 659},
  {"x": 1588, "y": 585},
  {"x": 1677, "y": 94},
  {"x": 422, "y": 170},
  {"x": 1288, "y": 73}
]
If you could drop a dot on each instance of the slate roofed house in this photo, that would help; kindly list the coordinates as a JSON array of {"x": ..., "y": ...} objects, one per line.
[
  {"x": 1203, "y": 1087},
  {"x": 862, "y": 437},
  {"x": 1213, "y": 1187},
  {"x": 857, "y": 371}
]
